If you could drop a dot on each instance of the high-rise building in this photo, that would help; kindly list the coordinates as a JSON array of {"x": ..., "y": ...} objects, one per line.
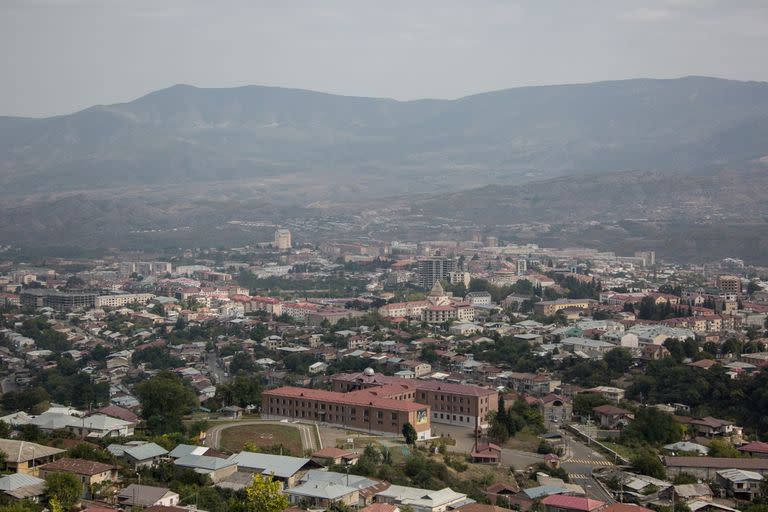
[
  {"x": 649, "y": 257},
  {"x": 729, "y": 284},
  {"x": 434, "y": 269},
  {"x": 282, "y": 239},
  {"x": 522, "y": 267},
  {"x": 491, "y": 241}
]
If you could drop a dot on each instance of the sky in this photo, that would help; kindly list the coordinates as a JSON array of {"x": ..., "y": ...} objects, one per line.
[{"x": 59, "y": 56}]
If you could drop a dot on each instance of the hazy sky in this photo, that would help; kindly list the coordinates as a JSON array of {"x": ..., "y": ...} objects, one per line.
[{"x": 58, "y": 56}]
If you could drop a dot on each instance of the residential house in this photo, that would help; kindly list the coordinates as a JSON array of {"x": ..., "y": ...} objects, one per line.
[
  {"x": 89, "y": 473},
  {"x": 422, "y": 500},
  {"x": 285, "y": 469},
  {"x": 755, "y": 449},
  {"x": 147, "y": 496},
  {"x": 321, "y": 488},
  {"x": 20, "y": 486},
  {"x": 707, "y": 467},
  {"x": 711, "y": 427},
  {"x": 562, "y": 503},
  {"x": 334, "y": 456},
  {"x": 26, "y": 457},
  {"x": 740, "y": 483},
  {"x": 217, "y": 469},
  {"x": 612, "y": 417},
  {"x": 486, "y": 452},
  {"x": 144, "y": 455}
]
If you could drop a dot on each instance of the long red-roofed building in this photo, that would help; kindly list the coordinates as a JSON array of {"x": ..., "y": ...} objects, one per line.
[
  {"x": 456, "y": 404},
  {"x": 367, "y": 410}
]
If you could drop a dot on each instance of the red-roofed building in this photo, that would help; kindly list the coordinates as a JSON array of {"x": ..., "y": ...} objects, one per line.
[
  {"x": 755, "y": 449},
  {"x": 362, "y": 410},
  {"x": 488, "y": 452},
  {"x": 455, "y": 404},
  {"x": 562, "y": 503}
]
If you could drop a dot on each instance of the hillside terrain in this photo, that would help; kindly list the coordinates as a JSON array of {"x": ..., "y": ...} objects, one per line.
[
  {"x": 309, "y": 140},
  {"x": 672, "y": 164}
]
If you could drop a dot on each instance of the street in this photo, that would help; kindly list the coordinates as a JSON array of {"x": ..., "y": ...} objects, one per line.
[{"x": 217, "y": 372}]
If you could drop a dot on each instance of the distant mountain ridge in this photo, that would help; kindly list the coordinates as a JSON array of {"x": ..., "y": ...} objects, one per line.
[{"x": 185, "y": 135}]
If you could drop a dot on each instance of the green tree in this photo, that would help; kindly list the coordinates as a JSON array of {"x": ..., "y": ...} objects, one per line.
[
  {"x": 618, "y": 360},
  {"x": 721, "y": 448},
  {"x": 21, "y": 506},
  {"x": 583, "y": 403},
  {"x": 409, "y": 433},
  {"x": 64, "y": 488},
  {"x": 654, "y": 427},
  {"x": 165, "y": 399},
  {"x": 648, "y": 463},
  {"x": 265, "y": 495}
]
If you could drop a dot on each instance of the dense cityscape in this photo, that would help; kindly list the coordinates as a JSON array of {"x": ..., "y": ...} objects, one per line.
[{"x": 384, "y": 375}]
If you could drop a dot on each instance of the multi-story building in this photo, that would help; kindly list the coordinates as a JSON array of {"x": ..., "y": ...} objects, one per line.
[
  {"x": 282, "y": 239},
  {"x": 478, "y": 298},
  {"x": 412, "y": 309},
  {"x": 60, "y": 301},
  {"x": 364, "y": 409},
  {"x": 550, "y": 307},
  {"x": 460, "y": 311},
  {"x": 459, "y": 277},
  {"x": 435, "y": 269},
  {"x": 729, "y": 283},
  {"x": 121, "y": 300},
  {"x": 455, "y": 404}
]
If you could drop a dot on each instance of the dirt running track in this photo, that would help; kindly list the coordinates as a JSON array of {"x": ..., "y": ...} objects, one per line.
[{"x": 213, "y": 436}]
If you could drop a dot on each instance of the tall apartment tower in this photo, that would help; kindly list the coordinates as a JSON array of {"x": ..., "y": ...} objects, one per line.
[
  {"x": 435, "y": 269},
  {"x": 282, "y": 239},
  {"x": 522, "y": 267}
]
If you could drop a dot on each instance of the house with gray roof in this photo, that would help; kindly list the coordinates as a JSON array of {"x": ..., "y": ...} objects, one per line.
[
  {"x": 423, "y": 500},
  {"x": 144, "y": 455},
  {"x": 287, "y": 470},
  {"x": 20, "y": 486},
  {"x": 217, "y": 469}
]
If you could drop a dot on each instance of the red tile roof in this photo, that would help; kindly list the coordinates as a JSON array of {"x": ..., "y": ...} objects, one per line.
[
  {"x": 754, "y": 447},
  {"x": 77, "y": 466},
  {"x": 573, "y": 502},
  {"x": 343, "y": 398}
]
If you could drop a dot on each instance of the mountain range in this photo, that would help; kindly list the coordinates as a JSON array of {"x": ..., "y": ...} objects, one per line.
[{"x": 687, "y": 148}]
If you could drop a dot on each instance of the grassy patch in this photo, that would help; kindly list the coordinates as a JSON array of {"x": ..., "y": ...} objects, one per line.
[
  {"x": 525, "y": 440},
  {"x": 262, "y": 436},
  {"x": 624, "y": 451}
]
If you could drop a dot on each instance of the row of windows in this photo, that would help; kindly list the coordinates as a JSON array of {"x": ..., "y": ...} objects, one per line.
[
  {"x": 309, "y": 414},
  {"x": 462, "y": 419},
  {"x": 329, "y": 418}
]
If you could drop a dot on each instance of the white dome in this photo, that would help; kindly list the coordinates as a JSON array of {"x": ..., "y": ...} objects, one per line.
[{"x": 368, "y": 372}]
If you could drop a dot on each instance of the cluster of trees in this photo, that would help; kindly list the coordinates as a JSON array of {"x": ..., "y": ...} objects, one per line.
[
  {"x": 65, "y": 384},
  {"x": 159, "y": 358},
  {"x": 336, "y": 285},
  {"x": 710, "y": 392},
  {"x": 648, "y": 309},
  {"x": 506, "y": 422},
  {"x": 45, "y": 337},
  {"x": 420, "y": 470},
  {"x": 578, "y": 289},
  {"x": 652, "y": 427},
  {"x": 518, "y": 354},
  {"x": 242, "y": 391},
  {"x": 589, "y": 373},
  {"x": 165, "y": 400},
  {"x": 498, "y": 293}
]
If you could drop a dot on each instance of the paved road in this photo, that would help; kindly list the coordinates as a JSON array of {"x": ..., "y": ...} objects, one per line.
[
  {"x": 579, "y": 462},
  {"x": 213, "y": 436},
  {"x": 217, "y": 372}
]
